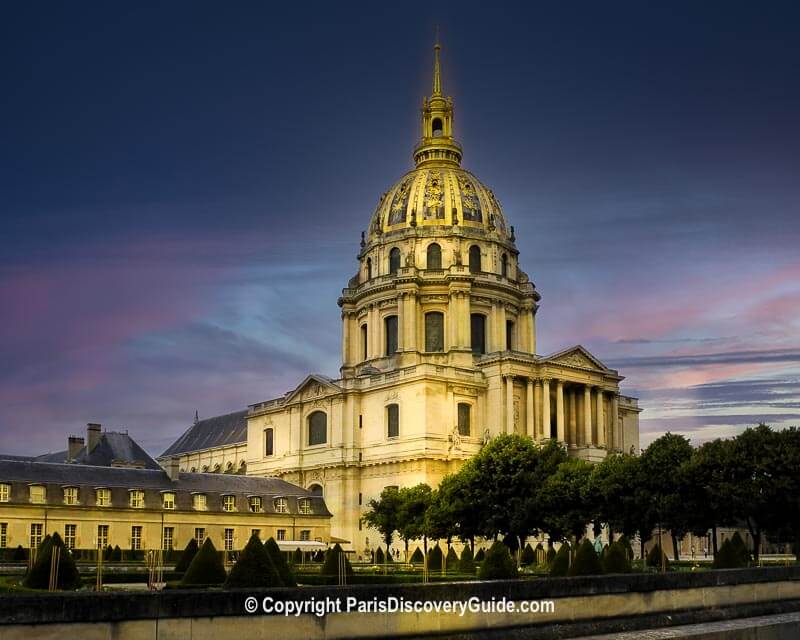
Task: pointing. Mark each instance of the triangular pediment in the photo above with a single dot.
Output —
(314, 386)
(576, 356)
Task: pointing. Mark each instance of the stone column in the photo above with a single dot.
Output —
(537, 409)
(546, 408)
(411, 317)
(501, 328)
(601, 427)
(587, 416)
(529, 410)
(372, 332)
(509, 404)
(560, 411)
(345, 338)
(401, 322)
(618, 444)
(572, 437)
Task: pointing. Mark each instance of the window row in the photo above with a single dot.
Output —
(433, 261)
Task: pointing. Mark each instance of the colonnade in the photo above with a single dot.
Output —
(576, 414)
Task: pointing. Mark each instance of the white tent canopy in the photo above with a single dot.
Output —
(303, 545)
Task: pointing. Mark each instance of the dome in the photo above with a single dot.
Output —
(444, 195)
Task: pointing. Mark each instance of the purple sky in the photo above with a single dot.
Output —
(183, 191)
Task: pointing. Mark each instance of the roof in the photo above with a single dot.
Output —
(218, 431)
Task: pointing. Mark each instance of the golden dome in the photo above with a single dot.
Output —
(443, 195)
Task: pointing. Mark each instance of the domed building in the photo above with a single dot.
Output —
(438, 355)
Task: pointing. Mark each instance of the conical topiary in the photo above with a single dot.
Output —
(39, 575)
(254, 568)
(656, 556)
(187, 556)
(480, 556)
(451, 563)
(550, 555)
(206, 567)
(279, 561)
(499, 565)
(528, 555)
(741, 548)
(116, 554)
(586, 562)
(561, 561)
(625, 542)
(379, 556)
(417, 557)
(331, 567)
(297, 557)
(466, 564)
(728, 557)
(20, 555)
(107, 553)
(435, 558)
(616, 559)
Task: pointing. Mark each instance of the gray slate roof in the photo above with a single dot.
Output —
(218, 431)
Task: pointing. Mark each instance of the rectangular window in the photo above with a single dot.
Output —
(509, 335)
(304, 505)
(364, 342)
(36, 534)
(38, 493)
(478, 333)
(281, 534)
(281, 505)
(136, 537)
(199, 501)
(255, 504)
(70, 534)
(269, 442)
(168, 500)
(464, 418)
(167, 538)
(103, 497)
(392, 421)
(255, 532)
(71, 495)
(305, 534)
(229, 503)
(360, 498)
(390, 326)
(3, 535)
(102, 536)
(434, 331)
(5, 492)
(136, 498)
(199, 535)
(228, 540)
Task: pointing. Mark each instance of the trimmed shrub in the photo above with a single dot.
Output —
(20, 554)
(39, 575)
(616, 559)
(550, 556)
(187, 556)
(254, 567)
(435, 558)
(452, 560)
(499, 565)
(741, 548)
(279, 561)
(560, 563)
(116, 554)
(297, 557)
(586, 562)
(528, 555)
(656, 556)
(417, 557)
(466, 564)
(206, 567)
(330, 569)
(728, 557)
(319, 556)
(379, 558)
(480, 556)
(623, 540)
(107, 553)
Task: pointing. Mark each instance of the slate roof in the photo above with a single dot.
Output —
(218, 431)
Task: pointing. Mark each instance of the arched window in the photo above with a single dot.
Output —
(392, 421)
(317, 428)
(474, 259)
(464, 418)
(269, 441)
(369, 268)
(364, 343)
(434, 260)
(394, 261)
(436, 127)
(509, 335)
(315, 489)
(504, 265)
(434, 331)
(390, 326)
(478, 333)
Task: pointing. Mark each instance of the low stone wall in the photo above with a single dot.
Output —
(578, 601)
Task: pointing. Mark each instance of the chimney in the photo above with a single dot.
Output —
(74, 445)
(92, 436)
(172, 468)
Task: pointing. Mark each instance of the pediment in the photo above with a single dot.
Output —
(313, 387)
(576, 357)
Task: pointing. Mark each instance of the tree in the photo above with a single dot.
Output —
(414, 503)
(254, 568)
(564, 501)
(383, 514)
(664, 461)
(206, 567)
(435, 559)
(586, 562)
(616, 558)
(187, 556)
(39, 575)
(466, 563)
(614, 490)
(559, 565)
(528, 555)
(336, 570)
(279, 562)
(498, 565)
(417, 557)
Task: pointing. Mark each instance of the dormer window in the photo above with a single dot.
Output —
(281, 505)
(168, 500)
(255, 504)
(38, 493)
(70, 495)
(304, 506)
(136, 498)
(103, 497)
(5, 492)
(229, 503)
(199, 501)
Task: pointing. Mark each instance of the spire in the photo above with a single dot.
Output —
(437, 73)
(196, 417)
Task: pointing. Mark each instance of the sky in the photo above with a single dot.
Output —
(184, 185)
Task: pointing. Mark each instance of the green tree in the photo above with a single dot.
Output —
(414, 504)
(254, 568)
(206, 567)
(187, 556)
(279, 562)
(559, 565)
(466, 564)
(39, 575)
(586, 562)
(335, 568)
(383, 514)
(564, 501)
(617, 559)
(498, 565)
